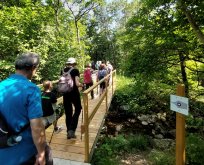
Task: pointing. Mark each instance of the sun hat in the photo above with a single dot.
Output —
(71, 60)
(88, 65)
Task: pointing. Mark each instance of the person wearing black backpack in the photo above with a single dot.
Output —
(72, 97)
(102, 72)
(20, 105)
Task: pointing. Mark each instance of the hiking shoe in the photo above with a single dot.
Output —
(58, 129)
(71, 134)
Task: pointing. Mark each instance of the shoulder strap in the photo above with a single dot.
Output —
(70, 70)
(22, 129)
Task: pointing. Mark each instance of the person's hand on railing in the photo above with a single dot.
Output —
(81, 87)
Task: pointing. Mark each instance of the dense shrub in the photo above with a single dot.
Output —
(138, 142)
(110, 148)
(142, 97)
(103, 155)
(195, 150)
(161, 158)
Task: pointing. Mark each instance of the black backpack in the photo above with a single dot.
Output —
(101, 74)
(7, 138)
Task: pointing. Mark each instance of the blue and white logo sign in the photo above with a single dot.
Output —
(179, 104)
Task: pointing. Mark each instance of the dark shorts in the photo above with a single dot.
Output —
(103, 85)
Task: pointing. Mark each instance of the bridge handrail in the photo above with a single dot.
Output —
(88, 117)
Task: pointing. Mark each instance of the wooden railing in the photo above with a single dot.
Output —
(88, 117)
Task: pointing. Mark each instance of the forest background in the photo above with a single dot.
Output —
(156, 43)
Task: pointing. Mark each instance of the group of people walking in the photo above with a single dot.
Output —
(22, 103)
(102, 70)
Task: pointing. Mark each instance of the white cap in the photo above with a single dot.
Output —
(71, 60)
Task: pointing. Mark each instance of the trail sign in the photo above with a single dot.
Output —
(179, 104)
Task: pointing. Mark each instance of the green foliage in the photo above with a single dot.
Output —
(123, 94)
(142, 96)
(29, 26)
(103, 156)
(158, 44)
(197, 106)
(103, 45)
(111, 147)
(195, 122)
(118, 144)
(162, 157)
(195, 150)
(6, 68)
(138, 142)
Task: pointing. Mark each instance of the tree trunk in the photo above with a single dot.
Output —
(56, 8)
(192, 22)
(77, 30)
(183, 73)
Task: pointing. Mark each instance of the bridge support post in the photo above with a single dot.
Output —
(112, 82)
(106, 81)
(86, 126)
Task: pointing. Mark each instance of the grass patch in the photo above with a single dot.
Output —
(110, 148)
(161, 157)
(195, 149)
(138, 142)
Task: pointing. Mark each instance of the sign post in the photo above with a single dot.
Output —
(182, 108)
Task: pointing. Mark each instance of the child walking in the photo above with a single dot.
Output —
(49, 101)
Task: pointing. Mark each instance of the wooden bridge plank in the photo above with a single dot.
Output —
(68, 156)
(66, 148)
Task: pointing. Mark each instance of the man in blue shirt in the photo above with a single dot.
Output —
(20, 104)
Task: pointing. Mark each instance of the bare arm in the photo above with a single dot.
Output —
(38, 134)
(78, 84)
(97, 77)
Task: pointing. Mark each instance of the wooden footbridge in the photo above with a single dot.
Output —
(89, 126)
